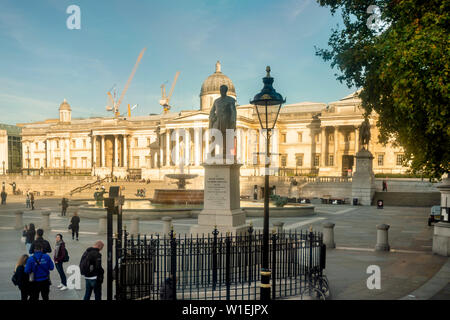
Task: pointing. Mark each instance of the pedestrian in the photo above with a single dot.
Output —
(3, 196)
(28, 202)
(64, 205)
(385, 185)
(75, 224)
(44, 244)
(167, 287)
(91, 269)
(32, 200)
(59, 258)
(22, 279)
(39, 265)
(14, 187)
(31, 233)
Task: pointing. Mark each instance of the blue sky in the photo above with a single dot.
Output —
(42, 62)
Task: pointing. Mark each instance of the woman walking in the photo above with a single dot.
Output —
(31, 233)
(75, 223)
(23, 279)
(60, 253)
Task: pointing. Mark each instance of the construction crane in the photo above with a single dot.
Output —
(112, 104)
(129, 110)
(164, 102)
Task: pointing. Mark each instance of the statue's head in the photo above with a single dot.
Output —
(223, 90)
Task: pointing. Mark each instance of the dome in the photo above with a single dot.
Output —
(212, 84)
(64, 106)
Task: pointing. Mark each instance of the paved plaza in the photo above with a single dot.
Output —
(409, 271)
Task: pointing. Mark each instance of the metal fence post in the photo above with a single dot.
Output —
(227, 264)
(274, 263)
(173, 263)
(214, 257)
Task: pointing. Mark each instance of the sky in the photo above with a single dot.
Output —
(42, 62)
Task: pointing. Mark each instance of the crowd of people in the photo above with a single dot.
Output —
(33, 269)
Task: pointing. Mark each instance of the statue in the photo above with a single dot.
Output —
(364, 133)
(223, 114)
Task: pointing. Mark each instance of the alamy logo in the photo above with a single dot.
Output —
(374, 20)
(74, 20)
(374, 281)
(74, 280)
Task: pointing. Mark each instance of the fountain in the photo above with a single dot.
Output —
(180, 195)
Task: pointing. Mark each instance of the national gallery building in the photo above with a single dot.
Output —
(312, 138)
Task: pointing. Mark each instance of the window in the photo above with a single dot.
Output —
(37, 146)
(36, 163)
(148, 142)
(283, 160)
(331, 137)
(74, 144)
(331, 160)
(148, 161)
(136, 162)
(299, 137)
(84, 144)
(84, 162)
(57, 144)
(380, 160)
(74, 162)
(136, 142)
(400, 158)
(316, 160)
(283, 138)
(347, 137)
(299, 160)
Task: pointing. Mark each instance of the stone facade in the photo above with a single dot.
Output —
(311, 138)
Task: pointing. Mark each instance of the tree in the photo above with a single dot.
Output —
(402, 66)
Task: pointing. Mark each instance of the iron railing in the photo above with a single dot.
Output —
(218, 267)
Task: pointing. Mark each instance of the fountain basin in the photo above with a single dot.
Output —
(178, 196)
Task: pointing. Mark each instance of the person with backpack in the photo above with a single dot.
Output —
(21, 278)
(61, 255)
(29, 236)
(39, 266)
(91, 269)
(75, 224)
(45, 245)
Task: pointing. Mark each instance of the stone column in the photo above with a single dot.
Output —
(125, 151)
(382, 238)
(102, 222)
(177, 159)
(161, 154)
(322, 148)
(45, 220)
(357, 140)
(94, 150)
(168, 147)
(336, 132)
(328, 235)
(187, 147)
(47, 153)
(279, 226)
(116, 151)
(198, 145)
(19, 220)
(134, 230)
(103, 151)
(167, 225)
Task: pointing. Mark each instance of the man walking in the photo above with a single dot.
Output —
(44, 244)
(64, 205)
(3, 196)
(40, 265)
(32, 201)
(91, 269)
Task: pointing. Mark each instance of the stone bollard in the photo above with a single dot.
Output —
(328, 235)
(134, 230)
(279, 226)
(45, 220)
(102, 224)
(19, 220)
(167, 225)
(382, 238)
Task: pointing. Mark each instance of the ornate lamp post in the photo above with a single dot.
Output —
(267, 104)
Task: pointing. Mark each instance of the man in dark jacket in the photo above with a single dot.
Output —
(64, 205)
(45, 245)
(91, 269)
(40, 264)
(3, 195)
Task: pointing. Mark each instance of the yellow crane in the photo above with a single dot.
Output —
(164, 102)
(114, 106)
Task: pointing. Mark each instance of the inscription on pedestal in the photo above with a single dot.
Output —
(216, 195)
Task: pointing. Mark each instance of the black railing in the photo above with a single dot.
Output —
(218, 267)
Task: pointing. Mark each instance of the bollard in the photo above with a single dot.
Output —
(328, 235)
(382, 238)
(19, 220)
(167, 224)
(102, 225)
(134, 230)
(279, 226)
(45, 220)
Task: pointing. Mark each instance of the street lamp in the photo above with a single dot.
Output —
(267, 104)
(4, 172)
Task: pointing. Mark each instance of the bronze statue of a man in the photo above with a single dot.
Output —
(364, 133)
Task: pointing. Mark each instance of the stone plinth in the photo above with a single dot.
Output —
(167, 225)
(382, 238)
(441, 239)
(221, 201)
(328, 235)
(363, 180)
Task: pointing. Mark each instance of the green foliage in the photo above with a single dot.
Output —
(278, 200)
(403, 73)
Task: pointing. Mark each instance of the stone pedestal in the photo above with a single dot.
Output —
(363, 180)
(167, 225)
(328, 235)
(382, 238)
(441, 239)
(134, 230)
(222, 206)
(19, 220)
